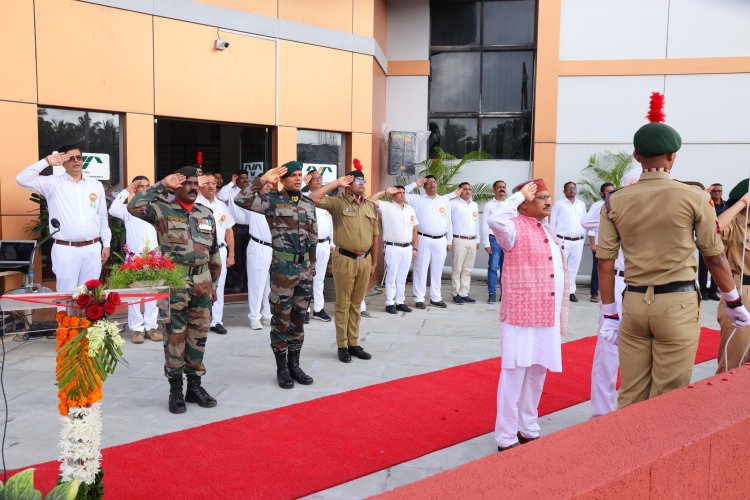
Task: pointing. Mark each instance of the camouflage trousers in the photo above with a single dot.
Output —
(291, 292)
(190, 316)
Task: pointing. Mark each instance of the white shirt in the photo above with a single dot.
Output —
(139, 234)
(227, 194)
(590, 222)
(398, 222)
(434, 214)
(258, 226)
(565, 219)
(325, 225)
(465, 217)
(488, 211)
(222, 216)
(81, 207)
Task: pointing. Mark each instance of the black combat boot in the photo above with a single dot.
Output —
(197, 394)
(295, 347)
(282, 370)
(176, 400)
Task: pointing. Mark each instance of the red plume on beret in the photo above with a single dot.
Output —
(656, 108)
(357, 164)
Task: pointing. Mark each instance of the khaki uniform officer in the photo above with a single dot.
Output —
(659, 222)
(355, 228)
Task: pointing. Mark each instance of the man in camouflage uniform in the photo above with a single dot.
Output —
(187, 232)
(294, 236)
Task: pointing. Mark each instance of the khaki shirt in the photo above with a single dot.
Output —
(733, 237)
(354, 225)
(659, 222)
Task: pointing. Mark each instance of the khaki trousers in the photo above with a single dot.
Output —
(464, 255)
(658, 340)
(351, 277)
(736, 350)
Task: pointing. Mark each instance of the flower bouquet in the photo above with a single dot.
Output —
(150, 268)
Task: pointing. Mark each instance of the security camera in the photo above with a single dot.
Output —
(221, 44)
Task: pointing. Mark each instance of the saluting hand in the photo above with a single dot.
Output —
(529, 190)
(131, 188)
(392, 190)
(345, 181)
(274, 175)
(420, 182)
(173, 181)
(203, 179)
(234, 179)
(57, 159)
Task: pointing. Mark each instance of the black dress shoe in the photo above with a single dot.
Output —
(403, 308)
(713, 296)
(219, 328)
(391, 309)
(439, 304)
(456, 300)
(492, 298)
(307, 318)
(503, 448)
(468, 299)
(704, 294)
(420, 305)
(344, 355)
(523, 439)
(359, 352)
(573, 297)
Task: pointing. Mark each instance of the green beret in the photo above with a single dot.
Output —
(189, 171)
(291, 167)
(357, 174)
(654, 139)
(739, 190)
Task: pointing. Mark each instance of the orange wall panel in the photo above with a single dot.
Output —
(380, 24)
(363, 17)
(544, 162)
(378, 118)
(315, 87)
(139, 147)
(361, 148)
(194, 80)
(285, 145)
(362, 93)
(408, 68)
(331, 14)
(261, 7)
(95, 57)
(19, 55)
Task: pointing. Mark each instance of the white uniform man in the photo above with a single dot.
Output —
(435, 239)
(400, 239)
(259, 256)
(79, 204)
(565, 221)
(140, 236)
(495, 253)
(323, 250)
(224, 239)
(465, 221)
(237, 274)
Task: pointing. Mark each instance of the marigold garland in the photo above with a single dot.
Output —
(68, 329)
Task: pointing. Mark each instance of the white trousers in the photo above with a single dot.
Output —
(573, 250)
(431, 254)
(397, 262)
(139, 322)
(605, 366)
(258, 280)
(464, 255)
(518, 395)
(217, 310)
(73, 266)
(323, 253)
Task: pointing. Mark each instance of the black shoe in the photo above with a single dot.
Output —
(282, 370)
(503, 448)
(420, 305)
(219, 328)
(359, 352)
(712, 295)
(307, 317)
(704, 294)
(197, 394)
(456, 300)
(391, 309)
(365, 314)
(492, 298)
(468, 299)
(295, 347)
(176, 399)
(321, 315)
(523, 439)
(344, 355)
(573, 297)
(403, 308)
(439, 303)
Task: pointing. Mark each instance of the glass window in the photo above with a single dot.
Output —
(322, 149)
(507, 138)
(507, 81)
(454, 23)
(509, 22)
(454, 84)
(457, 136)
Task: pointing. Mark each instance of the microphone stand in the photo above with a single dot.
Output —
(31, 286)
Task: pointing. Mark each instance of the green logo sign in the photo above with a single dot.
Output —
(88, 159)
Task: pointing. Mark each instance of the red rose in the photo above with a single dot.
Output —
(114, 298)
(109, 308)
(94, 312)
(83, 300)
(93, 284)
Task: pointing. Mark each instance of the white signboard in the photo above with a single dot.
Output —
(253, 169)
(328, 172)
(95, 166)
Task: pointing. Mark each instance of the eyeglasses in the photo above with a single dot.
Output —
(543, 197)
(75, 158)
(430, 183)
(571, 188)
(360, 181)
(718, 191)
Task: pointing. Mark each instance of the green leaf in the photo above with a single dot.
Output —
(64, 491)
(21, 487)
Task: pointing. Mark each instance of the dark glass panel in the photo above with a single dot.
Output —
(509, 22)
(507, 81)
(454, 83)
(457, 136)
(507, 138)
(454, 23)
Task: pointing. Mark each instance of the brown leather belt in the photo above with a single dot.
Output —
(77, 243)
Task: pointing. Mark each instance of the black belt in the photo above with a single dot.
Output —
(464, 237)
(241, 225)
(402, 245)
(570, 239)
(675, 286)
(619, 273)
(324, 240)
(259, 241)
(222, 246)
(196, 270)
(746, 280)
(431, 236)
(354, 255)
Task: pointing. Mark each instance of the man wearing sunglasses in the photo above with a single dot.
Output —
(565, 220)
(82, 244)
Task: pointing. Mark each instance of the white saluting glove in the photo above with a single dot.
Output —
(609, 322)
(735, 310)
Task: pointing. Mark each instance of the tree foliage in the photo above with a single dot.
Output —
(603, 167)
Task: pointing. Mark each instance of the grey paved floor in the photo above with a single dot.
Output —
(241, 375)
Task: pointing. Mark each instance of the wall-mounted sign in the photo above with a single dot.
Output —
(253, 169)
(95, 166)
(328, 172)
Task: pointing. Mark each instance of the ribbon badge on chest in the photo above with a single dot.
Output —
(204, 225)
(442, 211)
(92, 200)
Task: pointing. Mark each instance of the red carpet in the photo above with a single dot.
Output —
(307, 447)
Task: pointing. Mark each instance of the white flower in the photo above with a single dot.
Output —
(80, 440)
(100, 330)
(80, 290)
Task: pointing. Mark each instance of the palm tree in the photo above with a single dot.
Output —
(603, 167)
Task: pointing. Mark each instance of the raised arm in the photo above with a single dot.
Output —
(255, 198)
(41, 184)
(119, 207)
(501, 223)
(319, 193)
(141, 205)
(388, 191)
(730, 213)
(590, 221)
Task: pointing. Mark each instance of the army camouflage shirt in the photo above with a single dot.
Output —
(189, 239)
(293, 226)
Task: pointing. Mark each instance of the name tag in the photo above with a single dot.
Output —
(204, 225)
(174, 218)
(350, 211)
(283, 205)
